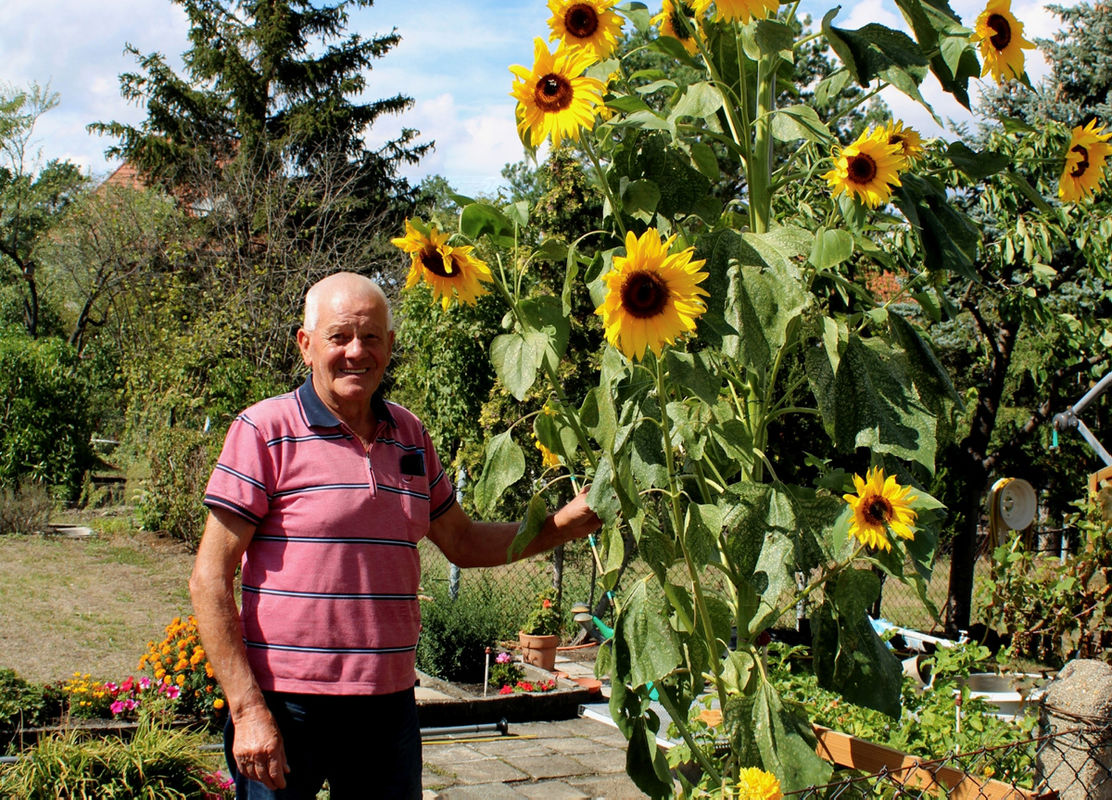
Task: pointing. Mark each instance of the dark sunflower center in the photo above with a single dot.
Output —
(434, 262)
(681, 12)
(1083, 165)
(581, 21)
(1001, 31)
(553, 93)
(644, 294)
(878, 511)
(896, 139)
(861, 168)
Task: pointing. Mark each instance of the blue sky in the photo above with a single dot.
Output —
(453, 60)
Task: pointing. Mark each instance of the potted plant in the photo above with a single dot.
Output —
(541, 633)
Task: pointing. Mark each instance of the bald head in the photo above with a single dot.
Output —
(337, 286)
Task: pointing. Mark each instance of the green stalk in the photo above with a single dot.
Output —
(604, 185)
(760, 164)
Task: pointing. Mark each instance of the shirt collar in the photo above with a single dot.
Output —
(318, 414)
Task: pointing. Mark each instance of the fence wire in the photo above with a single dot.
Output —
(1072, 760)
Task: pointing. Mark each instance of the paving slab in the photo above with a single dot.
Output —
(552, 765)
(550, 790)
(481, 791)
(490, 770)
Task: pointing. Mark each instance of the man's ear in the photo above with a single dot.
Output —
(303, 345)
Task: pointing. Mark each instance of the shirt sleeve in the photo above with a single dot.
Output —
(441, 492)
(243, 480)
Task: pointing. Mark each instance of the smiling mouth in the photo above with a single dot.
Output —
(354, 371)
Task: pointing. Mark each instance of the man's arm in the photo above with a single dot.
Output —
(467, 543)
(258, 749)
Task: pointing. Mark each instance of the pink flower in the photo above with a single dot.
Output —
(144, 683)
(131, 704)
(507, 689)
(117, 707)
(503, 658)
(111, 688)
(171, 691)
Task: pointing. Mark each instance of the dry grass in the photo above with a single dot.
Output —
(88, 605)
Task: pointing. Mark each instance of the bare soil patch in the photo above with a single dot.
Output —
(88, 605)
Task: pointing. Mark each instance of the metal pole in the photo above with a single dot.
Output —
(453, 570)
(502, 726)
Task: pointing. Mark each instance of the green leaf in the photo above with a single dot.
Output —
(517, 357)
(518, 213)
(477, 219)
(849, 656)
(832, 247)
(628, 104)
(764, 306)
(545, 314)
(643, 626)
(702, 155)
(773, 37)
(875, 51)
(929, 374)
(599, 417)
(976, 165)
(640, 199)
(876, 406)
(700, 100)
(949, 239)
(535, 515)
(786, 742)
(691, 371)
(556, 436)
(799, 122)
(504, 466)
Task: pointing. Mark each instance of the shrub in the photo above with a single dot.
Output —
(23, 705)
(44, 410)
(454, 638)
(545, 618)
(181, 461)
(25, 509)
(156, 762)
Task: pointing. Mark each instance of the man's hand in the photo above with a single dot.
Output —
(258, 750)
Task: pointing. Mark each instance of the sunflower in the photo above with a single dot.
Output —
(868, 168)
(1001, 40)
(651, 296)
(555, 97)
(1085, 159)
(745, 10)
(590, 24)
(880, 505)
(446, 269)
(756, 784)
(676, 20)
(909, 140)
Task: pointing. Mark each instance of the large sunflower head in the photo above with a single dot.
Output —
(1085, 162)
(1000, 36)
(590, 24)
(449, 271)
(652, 296)
(868, 168)
(880, 505)
(909, 140)
(677, 19)
(754, 783)
(554, 97)
(745, 10)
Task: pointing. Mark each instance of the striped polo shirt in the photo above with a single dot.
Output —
(330, 576)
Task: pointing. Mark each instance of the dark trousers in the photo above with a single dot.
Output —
(364, 746)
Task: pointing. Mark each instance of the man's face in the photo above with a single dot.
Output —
(348, 351)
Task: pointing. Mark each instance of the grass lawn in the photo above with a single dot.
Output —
(88, 605)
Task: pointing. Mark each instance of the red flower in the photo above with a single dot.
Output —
(525, 686)
(547, 603)
(507, 689)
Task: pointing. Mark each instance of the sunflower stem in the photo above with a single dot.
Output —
(604, 185)
(759, 171)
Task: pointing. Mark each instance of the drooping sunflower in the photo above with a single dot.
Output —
(448, 270)
(1084, 169)
(1000, 37)
(909, 140)
(756, 784)
(676, 20)
(880, 505)
(591, 24)
(652, 296)
(555, 97)
(745, 10)
(868, 168)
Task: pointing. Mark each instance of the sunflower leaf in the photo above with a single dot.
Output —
(504, 466)
(786, 742)
(516, 358)
(799, 122)
(643, 626)
(535, 514)
(701, 100)
(477, 219)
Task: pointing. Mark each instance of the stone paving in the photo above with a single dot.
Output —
(574, 759)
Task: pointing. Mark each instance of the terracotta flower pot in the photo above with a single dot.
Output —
(540, 651)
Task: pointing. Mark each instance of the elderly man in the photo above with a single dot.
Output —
(323, 494)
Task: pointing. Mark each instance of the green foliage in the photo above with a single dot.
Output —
(181, 461)
(1055, 609)
(25, 508)
(455, 635)
(23, 705)
(158, 761)
(45, 424)
(504, 671)
(545, 618)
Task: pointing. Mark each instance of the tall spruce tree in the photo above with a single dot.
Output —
(268, 88)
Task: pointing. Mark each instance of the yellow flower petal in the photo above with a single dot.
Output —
(881, 504)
